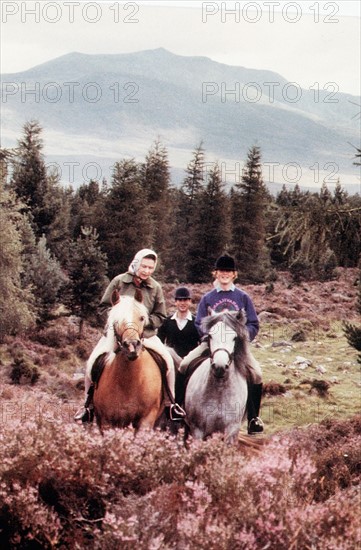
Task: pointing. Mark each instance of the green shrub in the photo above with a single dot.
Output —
(23, 371)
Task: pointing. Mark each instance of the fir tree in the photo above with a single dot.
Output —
(16, 302)
(45, 277)
(126, 225)
(249, 207)
(87, 207)
(155, 180)
(39, 191)
(87, 269)
(211, 232)
(187, 212)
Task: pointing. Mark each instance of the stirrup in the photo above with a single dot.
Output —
(255, 426)
(176, 412)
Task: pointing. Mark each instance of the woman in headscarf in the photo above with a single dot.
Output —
(138, 276)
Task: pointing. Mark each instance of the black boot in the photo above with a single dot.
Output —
(86, 413)
(180, 387)
(255, 424)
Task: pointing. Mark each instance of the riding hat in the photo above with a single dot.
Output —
(225, 263)
(182, 293)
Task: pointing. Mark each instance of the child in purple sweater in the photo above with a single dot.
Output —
(225, 296)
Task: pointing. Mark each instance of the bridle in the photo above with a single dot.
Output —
(230, 355)
(119, 338)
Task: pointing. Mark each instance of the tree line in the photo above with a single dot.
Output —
(61, 245)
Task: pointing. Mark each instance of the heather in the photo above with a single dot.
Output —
(66, 487)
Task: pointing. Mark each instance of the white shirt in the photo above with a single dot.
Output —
(182, 322)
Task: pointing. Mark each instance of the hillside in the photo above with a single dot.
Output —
(64, 486)
(100, 108)
(314, 309)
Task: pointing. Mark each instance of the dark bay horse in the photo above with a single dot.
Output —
(216, 395)
(129, 391)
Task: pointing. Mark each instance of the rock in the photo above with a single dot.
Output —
(301, 360)
(281, 343)
(321, 369)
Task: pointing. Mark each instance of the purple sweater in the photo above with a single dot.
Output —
(233, 300)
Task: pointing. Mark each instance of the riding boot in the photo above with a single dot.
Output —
(86, 413)
(175, 411)
(180, 387)
(255, 424)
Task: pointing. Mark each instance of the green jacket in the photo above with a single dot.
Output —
(153, 298)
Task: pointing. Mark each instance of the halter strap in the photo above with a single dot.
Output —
(119, 338)
(230, 355)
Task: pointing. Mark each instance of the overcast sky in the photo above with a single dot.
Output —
(305, 42)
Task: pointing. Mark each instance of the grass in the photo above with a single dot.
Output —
(301, 404)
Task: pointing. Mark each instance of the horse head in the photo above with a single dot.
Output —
(222, 338)
(128, 317)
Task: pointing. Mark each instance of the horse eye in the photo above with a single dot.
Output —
(142, 318)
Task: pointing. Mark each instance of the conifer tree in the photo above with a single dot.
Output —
(249, 207)
(87, 272)
(87, 207)
(39, 191)
(187, 212)
(45, 277)
(155, 180)
(352, 331)
(126, 226)
(211, 231)
(16, 302)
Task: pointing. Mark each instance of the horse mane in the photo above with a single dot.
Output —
(121, 308)
(236, 320)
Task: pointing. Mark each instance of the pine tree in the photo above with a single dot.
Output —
(187, 212)
(16, 302)
(87, 207)
(155, 180)
(211, 234)
(353, 332)
(126, 226)
(39, 191)
(249, 207)
(87, 269)
(318, 233)
(46, 279)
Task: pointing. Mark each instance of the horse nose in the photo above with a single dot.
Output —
(133, 348)
(219, 371)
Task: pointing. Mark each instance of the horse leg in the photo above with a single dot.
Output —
(148, 421)
(99, 423)
(197, 433)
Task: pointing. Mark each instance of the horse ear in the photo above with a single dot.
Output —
(241, 315)
(138, 296)
(211, 311)
(115, 298)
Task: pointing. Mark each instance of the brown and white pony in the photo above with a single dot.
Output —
(129, 391)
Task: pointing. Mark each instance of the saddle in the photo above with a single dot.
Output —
(97, 368)
(163, 371)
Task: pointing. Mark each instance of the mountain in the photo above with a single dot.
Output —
(97, 109)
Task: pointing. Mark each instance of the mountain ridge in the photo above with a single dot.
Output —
(129, 99)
